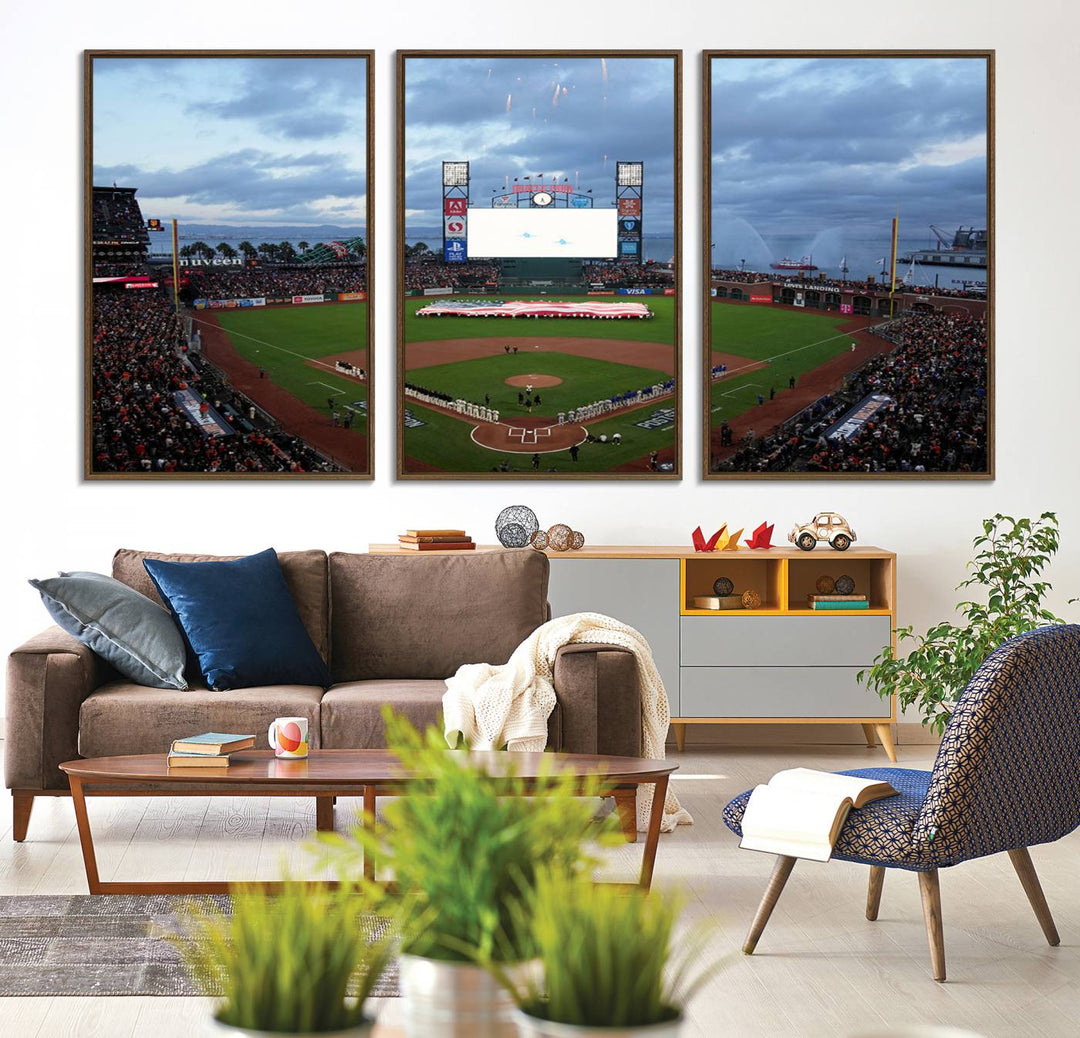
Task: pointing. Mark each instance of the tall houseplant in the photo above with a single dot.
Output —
(465, 848)
(1007, 598)
(296, 962)
(608, 965)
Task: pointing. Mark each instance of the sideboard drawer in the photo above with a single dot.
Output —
(783, 641)
(778, 692)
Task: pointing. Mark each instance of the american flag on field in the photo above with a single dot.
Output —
(533, 308)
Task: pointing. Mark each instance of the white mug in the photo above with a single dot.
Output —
(288, 737)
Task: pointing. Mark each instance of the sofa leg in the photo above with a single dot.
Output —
(935, 935)
(781, 871)
(626, 806)
(873, 892)
(324, 814)
(22, 804)
(1025, 869)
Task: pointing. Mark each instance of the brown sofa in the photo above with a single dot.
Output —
(390, 628)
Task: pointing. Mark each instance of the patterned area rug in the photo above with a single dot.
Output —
(106, 945)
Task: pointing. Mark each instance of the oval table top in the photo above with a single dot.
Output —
(374, 767)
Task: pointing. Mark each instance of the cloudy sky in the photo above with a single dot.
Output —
(805, 145)
(512, 117)
(245, 141)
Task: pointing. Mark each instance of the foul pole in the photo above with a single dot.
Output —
(175, 269)
(892, 263)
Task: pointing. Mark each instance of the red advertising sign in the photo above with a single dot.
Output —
(454, 206)
(629, 206)
(760, 299)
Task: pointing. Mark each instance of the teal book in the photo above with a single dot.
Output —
(840, 605)
(211, 744)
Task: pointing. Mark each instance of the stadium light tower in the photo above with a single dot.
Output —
(629, 195)
(455, 191)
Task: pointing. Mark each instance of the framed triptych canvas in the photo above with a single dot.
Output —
(848, 269)
(538, 264)
(228, 236)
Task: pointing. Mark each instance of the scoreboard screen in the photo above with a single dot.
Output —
(154, 225)
(548, 233)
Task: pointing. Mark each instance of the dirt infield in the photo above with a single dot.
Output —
(528, 436)
(656, 355)
(736, 365)
(765, 418)
(348, 448)
(535, 381)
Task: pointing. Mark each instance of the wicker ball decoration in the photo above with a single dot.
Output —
(723, 586)
(825, 584)
(560, 537)
(515, 526)
(751, 599)
(845, 585)
(577, 542)
(539, 540)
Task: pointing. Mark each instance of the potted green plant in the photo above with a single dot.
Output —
(1010, 557)
(465, 848)
(607, 966)
(298, 962)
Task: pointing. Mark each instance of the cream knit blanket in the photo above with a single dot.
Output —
(510, 705)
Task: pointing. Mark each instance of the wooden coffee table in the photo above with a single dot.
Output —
(327, 774)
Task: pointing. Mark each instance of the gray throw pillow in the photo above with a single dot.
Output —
(136, 635)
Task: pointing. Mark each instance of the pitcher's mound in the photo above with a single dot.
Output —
(536, 381)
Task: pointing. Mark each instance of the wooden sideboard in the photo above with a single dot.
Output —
(781, 663)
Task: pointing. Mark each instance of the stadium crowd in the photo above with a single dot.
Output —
(139, 359)
(820, 284)
(279, 280)
(115, 213)
(936, 380)
(628, 275)
(433, 273)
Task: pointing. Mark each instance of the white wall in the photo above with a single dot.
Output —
(56, 521)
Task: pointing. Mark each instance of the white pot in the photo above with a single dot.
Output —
(361, 1030)
(534, 1027)
(452, 1000)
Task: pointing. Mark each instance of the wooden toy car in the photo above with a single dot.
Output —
(825, 526)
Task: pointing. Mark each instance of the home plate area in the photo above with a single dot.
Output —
(529, 435)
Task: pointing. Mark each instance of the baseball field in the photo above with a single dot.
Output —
(283, 358)
(560, 365)
(765, 347)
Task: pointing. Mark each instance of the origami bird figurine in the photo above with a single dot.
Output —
(733, 541)
(700, 544)
(761, 537)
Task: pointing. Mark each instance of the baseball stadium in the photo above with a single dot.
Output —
(539, 340)
(224, 360)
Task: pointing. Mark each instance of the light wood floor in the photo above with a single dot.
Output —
(820, 969)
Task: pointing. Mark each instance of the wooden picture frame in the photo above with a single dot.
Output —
(812, 438)
(262, 145)
(630, 453)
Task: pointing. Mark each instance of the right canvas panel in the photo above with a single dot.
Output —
(848, 265)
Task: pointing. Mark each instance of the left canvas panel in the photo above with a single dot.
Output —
(228, 232)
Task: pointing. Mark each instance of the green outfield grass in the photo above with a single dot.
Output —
(793, 342)
(584, 380)
(445, 442)
(283, 339)
(660, 328)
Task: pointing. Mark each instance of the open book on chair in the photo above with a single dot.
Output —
(801, 811)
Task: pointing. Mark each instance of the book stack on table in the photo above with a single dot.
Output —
(435, 540)
(209, 750)
(838, 601)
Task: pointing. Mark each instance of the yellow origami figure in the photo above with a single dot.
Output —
(733, 540)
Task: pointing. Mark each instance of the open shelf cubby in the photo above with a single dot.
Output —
(873, 577)
(745, 570)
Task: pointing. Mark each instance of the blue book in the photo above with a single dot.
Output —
(212, 744)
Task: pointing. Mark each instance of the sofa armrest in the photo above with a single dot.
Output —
(47, 680)
(599, 699)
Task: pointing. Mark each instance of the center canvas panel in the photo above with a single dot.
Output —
(538, 321)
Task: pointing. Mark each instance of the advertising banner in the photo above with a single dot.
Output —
(852, 423)
(454, 251)
(454, 226)
(352, 297)
(140, 284)
(635, 291)
(760, 299)
(629, 226)
(201, 414)
(846, 308)
(308, 299)
(628, 248)
(504, 202)
(441, 291)
(629, 206)
(800, 299)
(455, 206)
(669, 291)
(595, 292)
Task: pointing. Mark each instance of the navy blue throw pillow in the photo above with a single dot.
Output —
(240, 621)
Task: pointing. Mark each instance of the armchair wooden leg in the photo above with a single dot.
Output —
(1021, 860)
(626, 806)
(781, 871)
(884, 732)
(873, 892)
(680, 736)
(871, 739)
(21, 806)
(931, 906)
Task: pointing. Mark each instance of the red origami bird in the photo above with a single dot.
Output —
(762, 537)
(700, 544)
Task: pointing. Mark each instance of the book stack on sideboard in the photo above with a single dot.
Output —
(435, 540)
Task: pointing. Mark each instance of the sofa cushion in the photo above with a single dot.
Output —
(352, 712)
(122, 718)
(397, 616)
(304, 571)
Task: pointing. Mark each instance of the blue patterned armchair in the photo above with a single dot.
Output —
(1006, 777)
